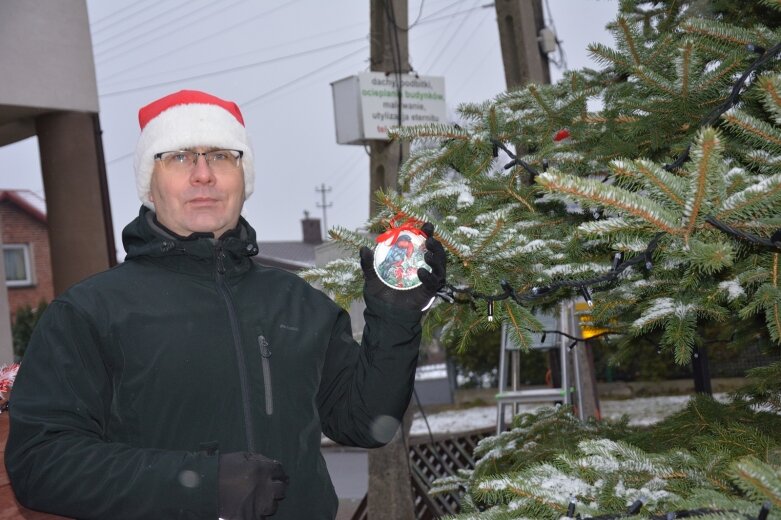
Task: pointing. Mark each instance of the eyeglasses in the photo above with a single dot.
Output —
(185, 160)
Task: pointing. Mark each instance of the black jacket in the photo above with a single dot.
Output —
(136, 376)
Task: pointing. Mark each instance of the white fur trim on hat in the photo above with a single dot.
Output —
(188, 126)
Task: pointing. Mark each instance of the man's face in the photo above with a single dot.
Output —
(200, 200)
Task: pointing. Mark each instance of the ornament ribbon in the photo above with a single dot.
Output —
(411, 224)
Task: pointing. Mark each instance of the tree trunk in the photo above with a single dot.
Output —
(701, 371)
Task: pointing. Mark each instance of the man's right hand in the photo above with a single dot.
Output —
(419, 298)
(249, 486)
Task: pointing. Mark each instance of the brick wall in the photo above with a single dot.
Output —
(19, 227)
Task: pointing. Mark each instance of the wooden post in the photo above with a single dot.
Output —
(701, 371)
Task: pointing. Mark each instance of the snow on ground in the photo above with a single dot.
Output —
(641, 411)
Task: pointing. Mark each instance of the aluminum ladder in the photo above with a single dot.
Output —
(511, 393)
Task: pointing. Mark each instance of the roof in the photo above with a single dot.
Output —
(288, 255)
(28, 201)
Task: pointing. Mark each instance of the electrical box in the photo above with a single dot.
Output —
(547, 39)
(366, 105)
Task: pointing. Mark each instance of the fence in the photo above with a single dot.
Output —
(431, 459)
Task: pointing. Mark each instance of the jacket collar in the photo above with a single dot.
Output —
(146, 237)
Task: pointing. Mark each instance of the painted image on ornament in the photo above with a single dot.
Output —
(397, 260)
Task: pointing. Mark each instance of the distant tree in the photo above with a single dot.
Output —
(23, 325)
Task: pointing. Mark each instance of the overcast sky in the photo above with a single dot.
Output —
(277, 59)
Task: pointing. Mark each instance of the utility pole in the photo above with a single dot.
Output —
(389, 54)
(520, 22)
(390, 486)
(323, 190)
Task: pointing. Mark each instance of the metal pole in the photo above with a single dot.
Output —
(574, 330)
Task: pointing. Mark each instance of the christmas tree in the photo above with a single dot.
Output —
(651, 187)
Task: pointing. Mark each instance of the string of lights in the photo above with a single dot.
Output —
(711, 118)
(455, 294)
(637, 505)
(732, 99)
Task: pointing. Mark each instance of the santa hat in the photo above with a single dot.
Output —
(189, 119)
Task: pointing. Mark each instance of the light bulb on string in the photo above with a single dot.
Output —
(618, 258)
(764, 511)
(586, 295)
(636, 506)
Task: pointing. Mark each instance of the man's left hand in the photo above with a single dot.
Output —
(419, 298)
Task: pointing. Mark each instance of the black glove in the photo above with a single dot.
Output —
(419, 298)
(249, 486)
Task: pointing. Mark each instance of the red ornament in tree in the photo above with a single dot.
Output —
(561, 135)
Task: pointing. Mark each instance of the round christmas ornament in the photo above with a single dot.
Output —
(399, 254)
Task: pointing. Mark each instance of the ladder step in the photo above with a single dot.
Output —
(532, 395)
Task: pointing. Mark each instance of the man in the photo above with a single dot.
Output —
(190, 383)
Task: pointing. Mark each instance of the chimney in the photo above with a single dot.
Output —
(311, 229)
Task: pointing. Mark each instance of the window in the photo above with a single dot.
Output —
(17, 265)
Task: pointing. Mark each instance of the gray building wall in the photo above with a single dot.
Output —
(46, 63)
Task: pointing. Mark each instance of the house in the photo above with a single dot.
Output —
(26, 253)
(293, 255)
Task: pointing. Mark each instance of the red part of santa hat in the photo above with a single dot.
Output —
(189, 119)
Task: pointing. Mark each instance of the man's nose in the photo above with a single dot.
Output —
(202, 173)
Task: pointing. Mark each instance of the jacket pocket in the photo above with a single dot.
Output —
(265, 361)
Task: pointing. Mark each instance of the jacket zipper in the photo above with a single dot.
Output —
(222, 288)
(265, 360)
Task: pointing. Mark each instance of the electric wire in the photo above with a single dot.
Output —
(348, 67)
(304, 76)
(120, 158)
(453, 15)
(457, 54)
(204, 38)
(445, 466)
(343, 172)
(146, 63)
(200, 64)
(456, 32)
(353, 173)
(94, 30)
(150, 27)
(475, 73)
(422, 20)
(562, 61)
(413, 24)
(234, 69)
(193, 15)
